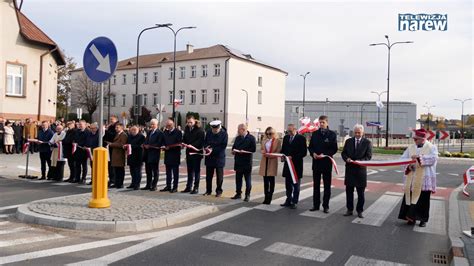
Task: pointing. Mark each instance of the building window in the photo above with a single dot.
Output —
(203, 96)
(124, 79)
(204, 121)
(215, 118)
(260, 81)
(204, 70)
(171, 73)
(15, 80)
(193, 71)
(124, 99)
(155, 77)
(259, 118)
(217, 70)
(145, 77)
(193, 97)
(259, 97)
(155, 98)
(105, 100)
(171, 97)
(114, 80)
(113, 100)
(134, 78)
(216, 95)
(181, 96)
(182, 72)
(145, 99)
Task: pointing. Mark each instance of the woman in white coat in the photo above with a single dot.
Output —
(8, 139)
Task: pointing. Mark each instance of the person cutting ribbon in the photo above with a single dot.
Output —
(215, 143)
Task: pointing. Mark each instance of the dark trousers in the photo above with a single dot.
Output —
(152, 174)
(350, 198)
(292, 190)
(172, 174)
(80, 168)
(72, 169)
(419, 211)
(193, 163)
(136, 173)
(18, 146)
(111, 169)
(119, 173)
(45, 158)
(317, 191)
(239, 174)
(57, 172)
(268, 187)
(219, 179)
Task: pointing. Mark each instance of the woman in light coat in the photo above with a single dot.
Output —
(8, 139)
(269, 164)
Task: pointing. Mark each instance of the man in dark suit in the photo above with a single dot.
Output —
(109, 137)
(323, 142)
(360, 149)
(80, 155)
(172, 136)
(151, 156)
(44, 136)
(294, 146)
(193, 135)
(215, 141)
(135, 160)
(243, 149)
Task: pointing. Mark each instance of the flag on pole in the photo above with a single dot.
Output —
(379, 104)
(177, 102)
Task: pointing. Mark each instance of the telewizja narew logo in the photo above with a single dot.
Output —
(426, 22)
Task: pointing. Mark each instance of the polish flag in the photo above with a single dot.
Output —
(177, 102)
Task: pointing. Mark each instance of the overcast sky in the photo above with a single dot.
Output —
(328, 39)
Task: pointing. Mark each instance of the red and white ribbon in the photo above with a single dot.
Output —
(89, 154)
(25, 147)
(333, 162)
(468, 178)
(128, 149)
(74, 148)
(189, 146)
(398, 162)
(241, 151)
(291, 166)
(171, 146)
(60, 150)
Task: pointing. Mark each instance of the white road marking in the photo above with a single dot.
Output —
(10, 207)
(4, 223)
(399, 171)
(15, 230)
(451, 174)
(275, 206)
(231, 238)
(4, 215)
(376, 214)
(356, 260)
(441, 188)
(373, 181)
(400, 184)
(61, 183)
(400, 194)
(372, 171)
(437, 223)
(29, 240)
(158, 238)
(437, 198)
(308, 253)
(382, 170)
(335, 204)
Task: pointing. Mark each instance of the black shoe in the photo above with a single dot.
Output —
(195, 191)
(136, 188)
(68, 180)
(422, 224)
(174, 190)
(247, 198)
(165, 189)
(118, 187)
(49, 178)
(218, 195)
(237, 196)
(348, 213)
(187, 190)
(153, 189)
(359, 214)
(131, 186)
(293, 206)
(314, 209)
(207, 194)
(326, 210)
(42, 178)
(146, 188)
(285, 204)
(90, 183)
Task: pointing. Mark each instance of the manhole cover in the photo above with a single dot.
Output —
(440, 258)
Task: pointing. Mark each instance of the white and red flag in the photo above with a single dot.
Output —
(26, 147)
(177, 102)
(128, 149)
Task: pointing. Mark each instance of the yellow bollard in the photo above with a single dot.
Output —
(99, 179)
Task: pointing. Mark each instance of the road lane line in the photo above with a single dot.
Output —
(29, 240)
(451, 174)
(308, 253)
(437, 222)
(376, 214)
(335, 204)
(231, 238)
(4, 215)
(356, 260)
(15, 230)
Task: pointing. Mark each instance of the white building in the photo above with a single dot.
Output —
(209, 81)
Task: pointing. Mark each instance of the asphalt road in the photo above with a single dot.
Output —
(247, 233)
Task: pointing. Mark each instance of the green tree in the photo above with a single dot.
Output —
(145, 116)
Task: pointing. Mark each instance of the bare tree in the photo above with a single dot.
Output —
(86, 93)
(64, 87)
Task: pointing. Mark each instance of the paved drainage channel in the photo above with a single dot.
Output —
(440, 258)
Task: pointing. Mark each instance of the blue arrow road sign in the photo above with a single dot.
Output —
(100, 59)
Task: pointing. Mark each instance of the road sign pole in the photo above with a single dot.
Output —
(101, 114)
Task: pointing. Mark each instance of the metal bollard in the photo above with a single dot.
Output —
(99, 179)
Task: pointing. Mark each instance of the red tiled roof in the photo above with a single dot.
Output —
(31, 32)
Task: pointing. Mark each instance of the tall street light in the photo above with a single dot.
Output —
(379, 94)
(389, 47)
(136, 69)
(175, 33)
(462, 118)
(429, 113)
(362, 112)
(246, 107)
(304, 88)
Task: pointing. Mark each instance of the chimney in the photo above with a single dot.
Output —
(189, 48)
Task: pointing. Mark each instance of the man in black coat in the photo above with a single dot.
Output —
(193, 135)
(215, 141)
(134, 160)
(80, 155)
(172, 136)
(92, 142)
(294, 146)
(109, 137)
(243, 149)
(360, 149)
(151, 155)
(323, 142)
(44, 136)
(67, 148)
(18, 136)
(2, 132)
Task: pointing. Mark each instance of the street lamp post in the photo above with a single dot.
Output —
(362, 112)
(462, 118)
(378, 115)
(175, 33)
(304, 88)
(429, 113)
(389, 47)
(246, 107)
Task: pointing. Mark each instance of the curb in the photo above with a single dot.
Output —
(25, 215)
(454, 230)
